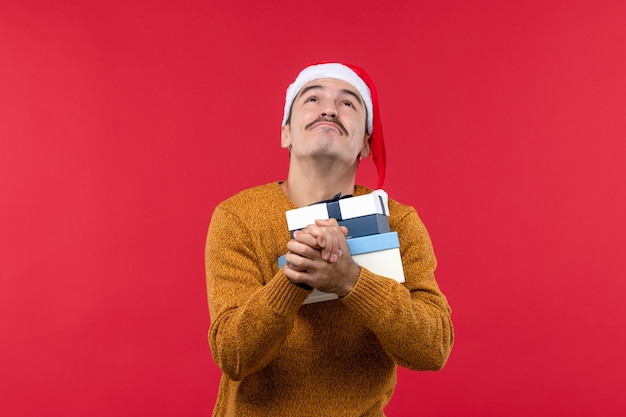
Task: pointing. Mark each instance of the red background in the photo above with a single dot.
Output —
(124, 123)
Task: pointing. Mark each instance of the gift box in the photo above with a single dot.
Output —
(342, 209)
(378, 253)
(366, 225)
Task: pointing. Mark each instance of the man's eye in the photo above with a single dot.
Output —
(348, 104)
(311, 99)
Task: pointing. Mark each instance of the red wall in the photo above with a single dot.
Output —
(123, 124)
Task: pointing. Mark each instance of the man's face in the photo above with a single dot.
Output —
(328, 119)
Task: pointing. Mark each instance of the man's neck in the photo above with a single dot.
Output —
(304, 189)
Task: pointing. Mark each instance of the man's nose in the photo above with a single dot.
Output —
(329, 110)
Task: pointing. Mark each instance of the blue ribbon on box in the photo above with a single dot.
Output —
(332, 205)
(337, 197)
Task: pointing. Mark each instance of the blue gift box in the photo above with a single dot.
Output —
(366, 225)
(373, 243)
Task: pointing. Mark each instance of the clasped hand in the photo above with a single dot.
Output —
(318, 256)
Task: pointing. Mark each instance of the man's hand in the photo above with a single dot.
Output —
(319, 257)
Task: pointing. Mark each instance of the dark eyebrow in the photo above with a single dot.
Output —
(316, 86)
(307, 89)
(353, 94)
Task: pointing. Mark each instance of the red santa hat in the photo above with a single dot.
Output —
(361, 81)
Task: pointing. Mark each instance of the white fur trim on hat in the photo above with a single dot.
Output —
(335, 71)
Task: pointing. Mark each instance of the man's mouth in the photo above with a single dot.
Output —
(330, 123)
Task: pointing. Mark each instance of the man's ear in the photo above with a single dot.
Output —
(366, 149)
(285, 137)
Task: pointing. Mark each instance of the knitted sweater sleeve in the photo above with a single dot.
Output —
(251, 315)
(411, 320)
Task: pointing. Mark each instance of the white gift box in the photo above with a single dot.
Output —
(346, 208)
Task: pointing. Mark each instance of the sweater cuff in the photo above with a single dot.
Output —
(369, 293)
(283, 296)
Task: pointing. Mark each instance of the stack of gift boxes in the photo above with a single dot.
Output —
(372, 244)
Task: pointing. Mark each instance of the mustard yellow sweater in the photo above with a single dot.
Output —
(335, 358)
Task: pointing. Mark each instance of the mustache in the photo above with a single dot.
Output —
(327, 120)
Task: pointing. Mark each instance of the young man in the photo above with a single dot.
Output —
(332, 358)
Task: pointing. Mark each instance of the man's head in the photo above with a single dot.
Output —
(359, 84)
